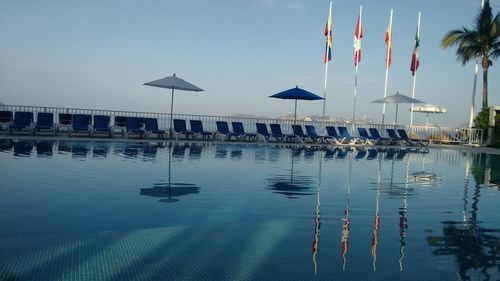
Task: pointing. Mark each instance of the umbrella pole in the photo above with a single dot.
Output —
(295, 114)
(171, 113)
(396, 118)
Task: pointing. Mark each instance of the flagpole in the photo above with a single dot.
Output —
(326, 65)
(387, 65)
(471, 114)
(356, 59)
(414, 75)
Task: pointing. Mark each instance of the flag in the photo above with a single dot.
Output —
(415, 58)
(328, 34)
(358, 34)
(388, 42)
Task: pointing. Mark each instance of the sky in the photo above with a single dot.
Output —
(97, 54)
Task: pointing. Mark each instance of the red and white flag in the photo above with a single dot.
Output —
(415, 58)
(388, 42)
(358, 34)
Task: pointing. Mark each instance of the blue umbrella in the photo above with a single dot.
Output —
(296, 94)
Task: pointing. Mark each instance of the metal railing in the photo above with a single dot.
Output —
(434, 134)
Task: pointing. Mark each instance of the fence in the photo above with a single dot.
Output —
(435, 134)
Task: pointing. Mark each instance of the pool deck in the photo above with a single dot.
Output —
(465, 148)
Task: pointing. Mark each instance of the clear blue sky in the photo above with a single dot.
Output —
(97, 54)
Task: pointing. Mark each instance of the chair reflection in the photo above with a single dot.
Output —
(44, 148)
(80, 150)
(23, 148)
(6, 145)
(100, 150)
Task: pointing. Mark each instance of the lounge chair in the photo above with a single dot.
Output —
(180, 128)
(22, 121)
(197, 128)
(120, 124)
(134, 126)
(299, 133)
(101, 125)
(404, 136)
(332, 132)
(45, 122)
(79, 123)
(347, 137)
(223, 129)
(277, 133)
(395, 138)
(151, 127)
(363, 133)
(262, 130)
(240, 130)
(5, 118)
(376, 135)
(313, 135)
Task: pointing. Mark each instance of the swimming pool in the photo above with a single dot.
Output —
(83, 210)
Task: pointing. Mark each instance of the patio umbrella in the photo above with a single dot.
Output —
(296, 94)
(174, 83)
(428, 108)
(397, 99)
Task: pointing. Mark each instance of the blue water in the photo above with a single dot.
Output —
(80, 210)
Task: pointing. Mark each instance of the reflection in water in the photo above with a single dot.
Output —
(6, 145)
(168, 190)
(79, 149)
(23, 148)
(291, 185)
(100, 150)
(317, 221)
(44, 148)
(376, 226)
(346, 225)
(403, 221)
(476, 248)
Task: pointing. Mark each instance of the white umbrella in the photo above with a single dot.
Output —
(428, 108)
(174, 83)
(397, 99)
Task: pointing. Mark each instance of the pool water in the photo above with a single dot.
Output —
(83, 210)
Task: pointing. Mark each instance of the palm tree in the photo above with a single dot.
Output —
(481, 43)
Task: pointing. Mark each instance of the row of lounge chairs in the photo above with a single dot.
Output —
(145, 127)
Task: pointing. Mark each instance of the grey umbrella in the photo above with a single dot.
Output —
(397, 99)
(428, 108)
(174, 83)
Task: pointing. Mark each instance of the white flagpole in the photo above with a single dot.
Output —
(387, 67)
(471, 114)
(415, 75)
(326, 63)
(356, 75)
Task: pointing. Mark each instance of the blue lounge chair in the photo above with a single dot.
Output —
(332, 132)
(223, 129)
(101, 125)
(313, 135)
(120, 124)
(134, 126)
(180, 128)
(299, 133)
(394, 137)
(376, 135)
(151, 127)
(22, 121)
(277, 133)
(262, 130)
(404, 136)
(240, 130)
(79, 123)
(363, 133)
(347, 137)
(5, 118)
(197, 128)
(44, 121)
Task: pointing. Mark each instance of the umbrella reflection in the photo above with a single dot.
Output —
(291, 185)
(168, 190)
